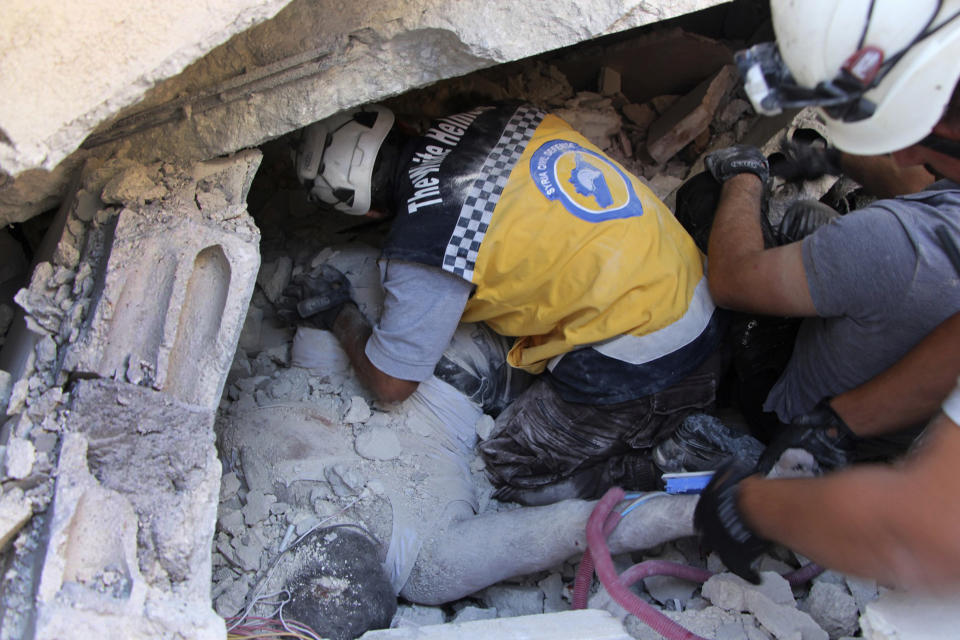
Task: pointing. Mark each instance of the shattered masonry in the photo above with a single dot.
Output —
(133, 322)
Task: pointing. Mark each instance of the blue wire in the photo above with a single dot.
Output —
(643, 497)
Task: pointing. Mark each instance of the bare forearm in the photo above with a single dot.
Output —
(898, 524)
(353, 331)
(908, 393)
(736, 232)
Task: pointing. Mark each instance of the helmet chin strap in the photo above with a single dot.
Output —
(942, 145)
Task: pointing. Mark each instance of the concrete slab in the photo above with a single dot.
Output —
(128, 553)
(586, 624)
(169, 302)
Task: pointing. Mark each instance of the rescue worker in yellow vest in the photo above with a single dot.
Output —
(505, 215)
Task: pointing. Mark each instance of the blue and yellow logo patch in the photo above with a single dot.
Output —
(587, 183)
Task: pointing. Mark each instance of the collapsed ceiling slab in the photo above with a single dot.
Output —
(310, 60)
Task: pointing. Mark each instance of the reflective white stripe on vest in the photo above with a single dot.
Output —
(663, 342)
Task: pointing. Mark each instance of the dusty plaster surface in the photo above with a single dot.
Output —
(311, 60)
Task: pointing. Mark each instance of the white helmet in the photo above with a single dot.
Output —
(882, 70)
(336, 157)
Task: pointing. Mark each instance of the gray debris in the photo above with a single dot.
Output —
(833, 608)
(513, 600)
(552, 587)
(358, 411)
(19, 458)
(471, 613)
(415, 615)
(379, 443)
(258, 507)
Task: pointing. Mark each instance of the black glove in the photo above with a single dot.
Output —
(720, 524)
(802, 218)
(726, 163)
(318, 296)
(806, 162)
(821, 432)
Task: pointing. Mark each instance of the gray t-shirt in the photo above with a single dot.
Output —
(421, 309)
(880, 282)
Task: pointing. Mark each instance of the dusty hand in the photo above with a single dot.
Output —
(806, 162)
(318, 296)
(821, 432)
(727, 163)
(722, 527)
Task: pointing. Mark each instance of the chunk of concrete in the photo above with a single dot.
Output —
(172, 296)
(416, 616)
(586, 624)
(94, 582)
(18, 458)
(690, 115)
(513, 600)
(902, 615)
(378, 443)
(833, 608)
(15, 511)
(768, 602)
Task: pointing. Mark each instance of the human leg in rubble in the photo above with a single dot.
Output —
(408, 496)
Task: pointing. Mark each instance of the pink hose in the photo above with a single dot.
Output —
(597, 543)
(597, 556)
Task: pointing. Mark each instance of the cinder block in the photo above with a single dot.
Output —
(133, 515)
(170, 301)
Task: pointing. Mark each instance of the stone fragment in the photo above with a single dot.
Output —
(15, 511)
(471, 613)
(689, 116)
(132, 186)
(609, 81)
(864, 591)
(593, 116)
(729, 591)
(229, 485)
(232, 522)
(6, 386)
(641, 115)
(666, 589)
(663, 185)
(258, 507)
(274, 276)
(513, 600)
(248, 555)
(19, 458)
(358, 411)
(902, 615)
(415, 615)
(662, 103)
(552, 587)
(172, 294)
(379, 443)
(833, 608)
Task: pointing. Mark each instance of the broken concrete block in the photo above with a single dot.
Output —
(663, 103)
(593, 116)
(689, 116)
(729, 590)
(157, 455)
(833, 608)
(18, 458)
(666, 589)
(274, 277)
(585, 624)
(641, 115)
(609, 81)
(416, 616)
(173, 295)
(379, 443)
(711, 622)
(358, 411)
(258, 507)
(864, 591)
(470, 614)
(15, 511)
(94, 583)
(6, 386)
(232, 522)
(132, 186)
(552, 587)
(513, 600)
(902, 615)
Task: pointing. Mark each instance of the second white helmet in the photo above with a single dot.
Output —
(336, 157)
(882, 71)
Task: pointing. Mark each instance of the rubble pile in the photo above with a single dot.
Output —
(663, 139)
(119, 370)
